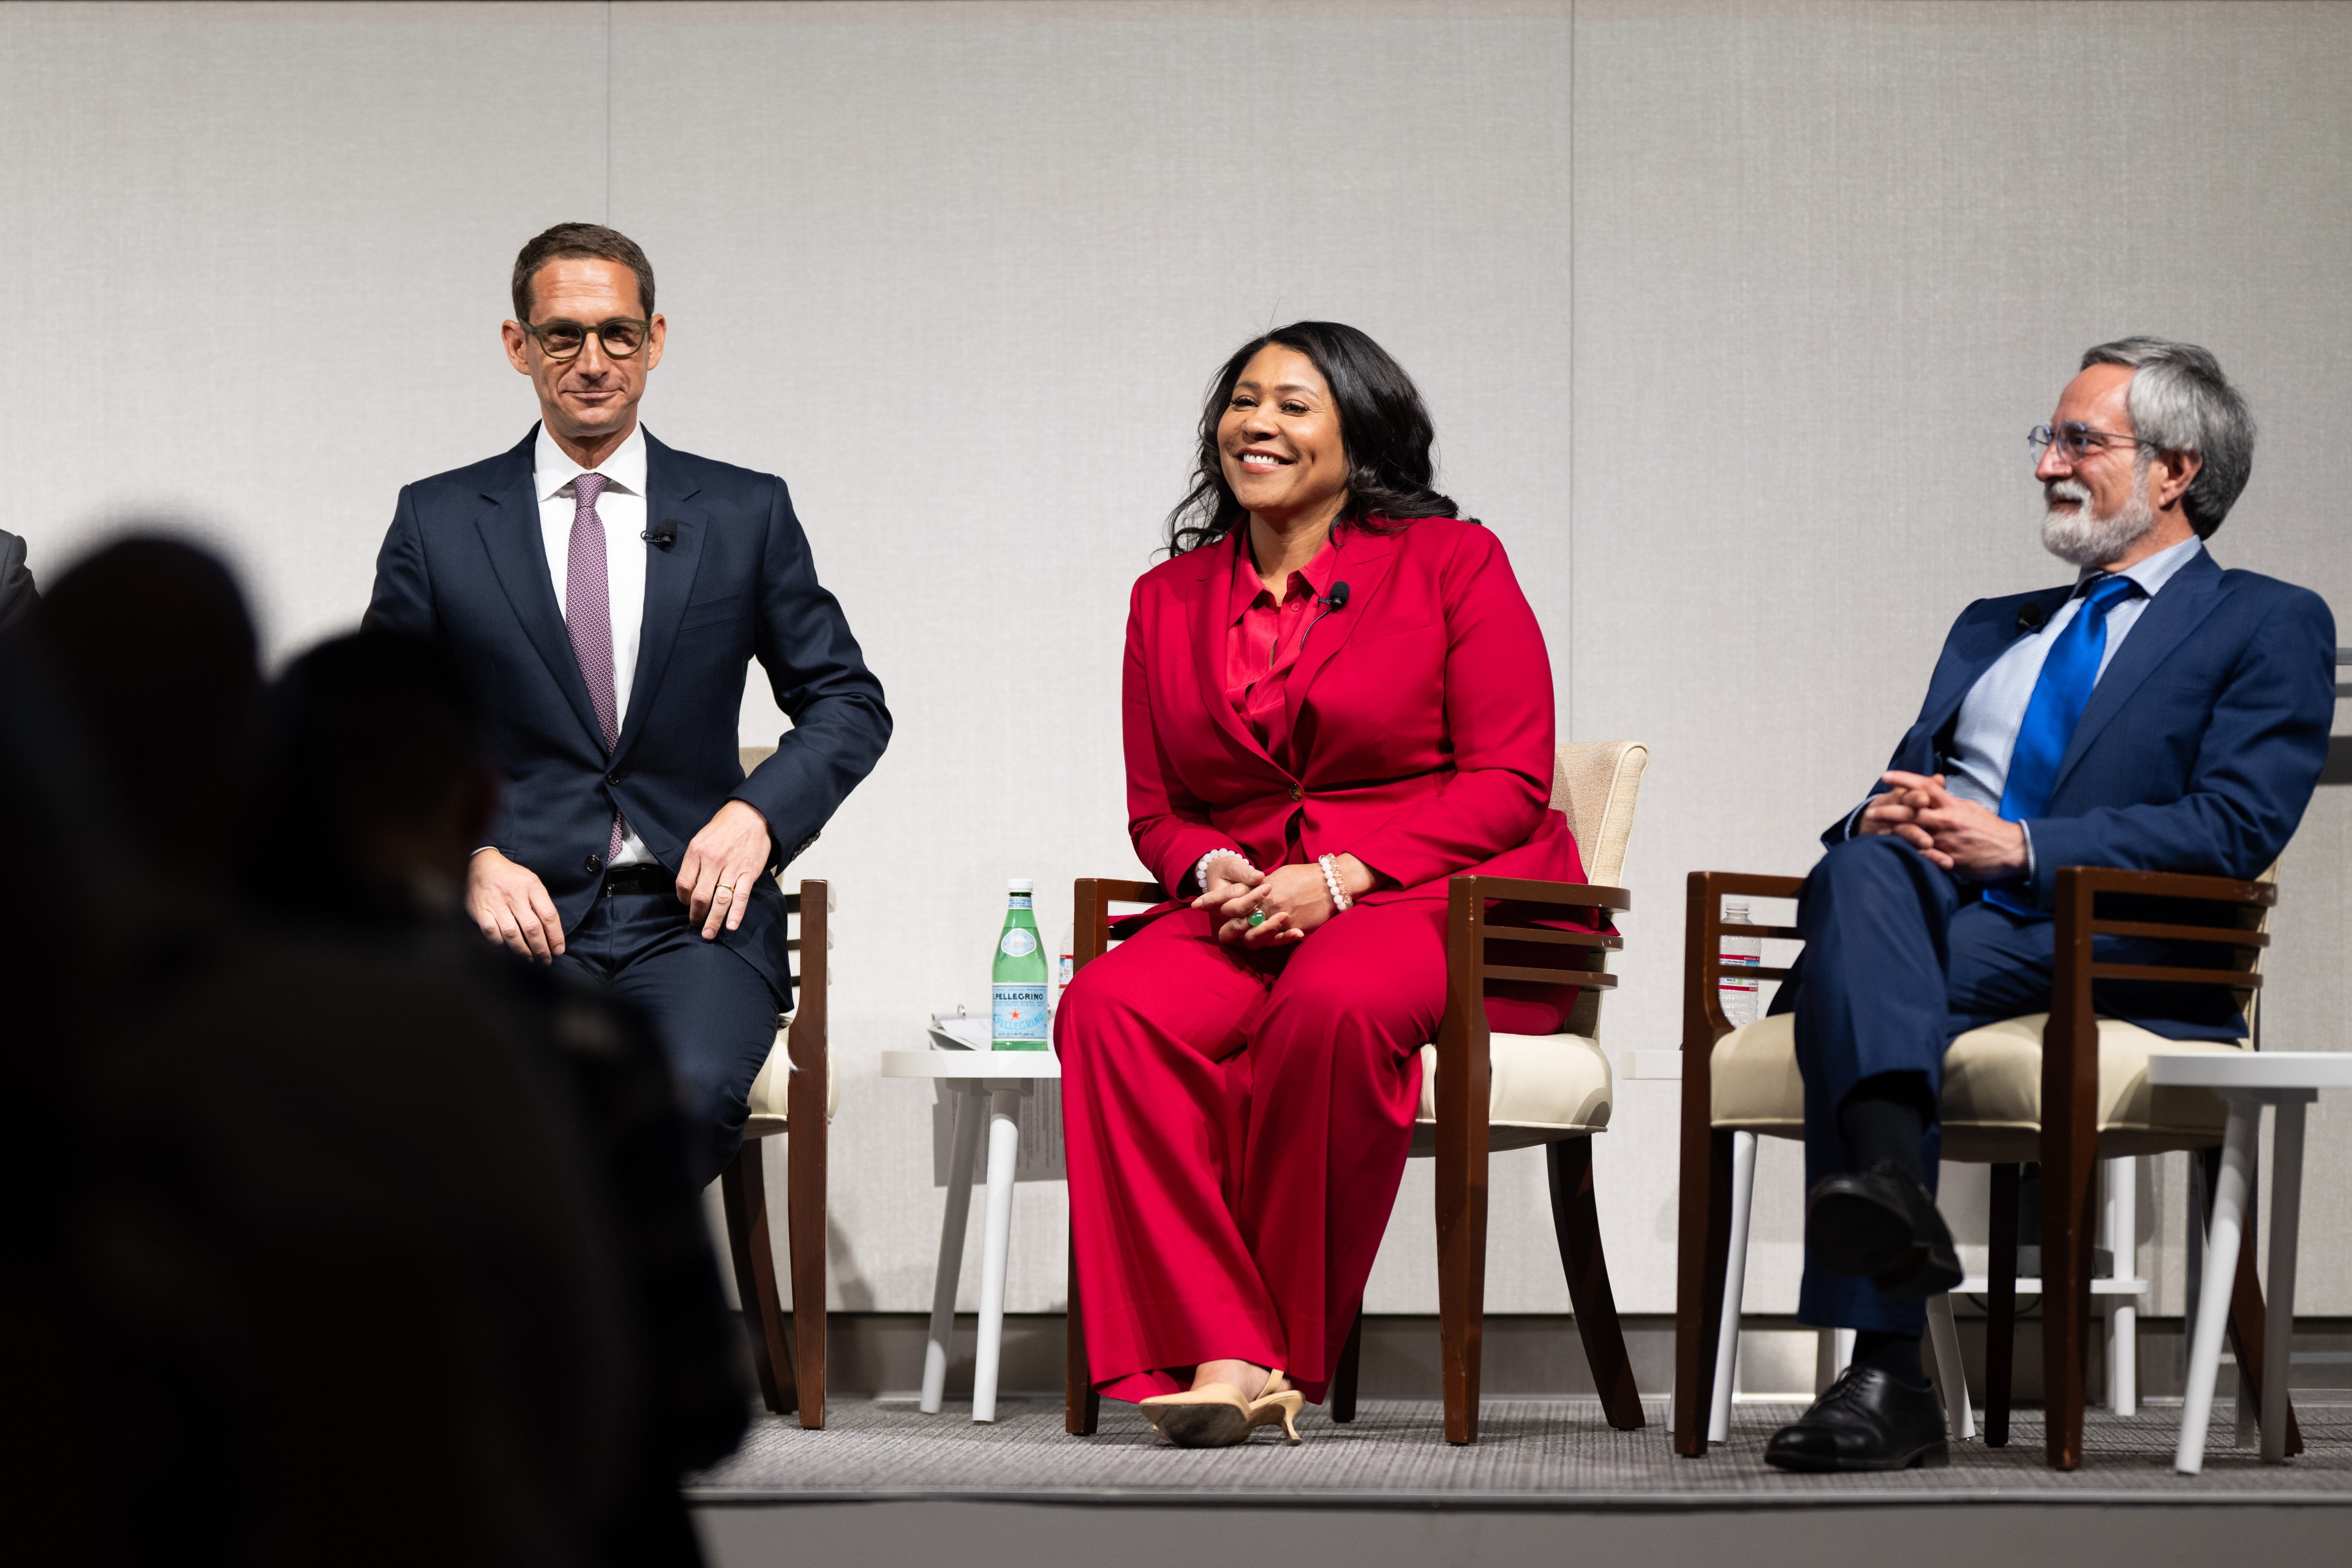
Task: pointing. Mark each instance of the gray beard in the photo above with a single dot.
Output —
(2082, 539)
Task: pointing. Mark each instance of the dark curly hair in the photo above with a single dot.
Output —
(1383, 426)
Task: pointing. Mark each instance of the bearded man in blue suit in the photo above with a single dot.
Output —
(606, 594)
(2162, 714)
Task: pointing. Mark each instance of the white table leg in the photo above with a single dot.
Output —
(951, 1229)
(1949, 1370)
(1003, 1148)
(1735, 1284)
(2123, 1312)
(2220, 1279)
(2278, 1332)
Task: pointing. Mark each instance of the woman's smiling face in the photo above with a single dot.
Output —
(1279, 438)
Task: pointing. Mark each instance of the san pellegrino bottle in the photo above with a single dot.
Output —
(1019, 981)
(1740, 995)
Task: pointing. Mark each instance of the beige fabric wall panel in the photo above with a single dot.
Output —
(259, 256)
(962, 274)
(1831, 261)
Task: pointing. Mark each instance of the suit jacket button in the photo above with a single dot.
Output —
(595, 863)
(615, 778)
(1297, 792)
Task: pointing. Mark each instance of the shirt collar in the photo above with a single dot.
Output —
(554, 470)
(1247, 584)
(2159, 569)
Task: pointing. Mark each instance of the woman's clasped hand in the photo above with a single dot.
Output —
(1293, 900)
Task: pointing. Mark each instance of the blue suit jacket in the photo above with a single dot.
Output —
(2202, 743)
(464, 564)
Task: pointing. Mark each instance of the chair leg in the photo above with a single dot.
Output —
(804, 1169)
(1735, 1288)
(1576, 1222)
(1081, 1405)
(1703, 1248)
(1950, 1371)
(1343, 1377)
(2001, 1309)
(743, 1193)
(2069, 1191)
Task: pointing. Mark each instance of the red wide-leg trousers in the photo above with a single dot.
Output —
(1236, 1125)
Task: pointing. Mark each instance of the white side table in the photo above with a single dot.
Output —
(997, 1081)
(2249, 1081)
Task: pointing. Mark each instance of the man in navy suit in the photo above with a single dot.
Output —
(605, 595)
(2160, 714)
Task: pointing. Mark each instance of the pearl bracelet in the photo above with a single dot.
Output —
(1340, 901)
(1200, 866)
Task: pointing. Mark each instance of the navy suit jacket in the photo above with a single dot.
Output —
(2202, 743)
(464, 564)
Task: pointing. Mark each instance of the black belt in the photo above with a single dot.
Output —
(640, 879)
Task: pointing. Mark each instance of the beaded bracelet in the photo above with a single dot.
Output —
(1340, 901)
(1200, 866)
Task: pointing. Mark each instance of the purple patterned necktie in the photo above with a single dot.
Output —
(588, 613)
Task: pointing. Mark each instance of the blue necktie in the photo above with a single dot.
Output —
(2060, 695)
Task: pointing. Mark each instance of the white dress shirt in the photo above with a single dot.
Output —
(623, 507)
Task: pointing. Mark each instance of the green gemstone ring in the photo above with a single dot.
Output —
(1257, 917)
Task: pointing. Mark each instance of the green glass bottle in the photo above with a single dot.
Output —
(1019, 981)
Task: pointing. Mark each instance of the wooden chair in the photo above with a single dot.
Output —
(2067, 1087)
(1482, 1091)
(797, 1091)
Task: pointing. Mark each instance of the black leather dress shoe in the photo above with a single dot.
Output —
(1867, 1421)
(1882, 1224)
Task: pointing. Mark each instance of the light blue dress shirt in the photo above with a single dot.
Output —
(1985, 733)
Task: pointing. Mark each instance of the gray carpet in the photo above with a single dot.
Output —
(1531, 1452)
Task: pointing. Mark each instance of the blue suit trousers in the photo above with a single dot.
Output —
(1899, 958)
(714, 1014)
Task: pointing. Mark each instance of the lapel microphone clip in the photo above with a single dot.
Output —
(663, 534)
(2031, 617)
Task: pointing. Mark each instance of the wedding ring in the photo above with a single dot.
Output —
(1257, 917)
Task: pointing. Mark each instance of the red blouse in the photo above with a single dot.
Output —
(1264, 639)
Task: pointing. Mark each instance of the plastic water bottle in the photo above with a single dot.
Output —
(1740, 995)
(1019, 981)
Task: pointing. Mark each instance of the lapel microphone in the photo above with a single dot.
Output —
(663, 534)
(1338, 601)
(2031, 617)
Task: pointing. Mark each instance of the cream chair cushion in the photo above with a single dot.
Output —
(769, 1108)
(1992, 1089)
(1543, 1087)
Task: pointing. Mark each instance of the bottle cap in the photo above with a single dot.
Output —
(1022, 885)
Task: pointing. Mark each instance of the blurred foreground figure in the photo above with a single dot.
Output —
(343, 1264)
(377, 782)
(17, 593)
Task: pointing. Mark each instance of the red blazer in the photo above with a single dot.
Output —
(1420, 714)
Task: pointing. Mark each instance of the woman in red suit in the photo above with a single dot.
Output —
(1336, 698)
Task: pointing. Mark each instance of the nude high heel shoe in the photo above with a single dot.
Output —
(1219, 1415)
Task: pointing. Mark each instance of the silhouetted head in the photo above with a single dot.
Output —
(153, 653)
(376, 788)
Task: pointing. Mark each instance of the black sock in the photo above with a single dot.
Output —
(1897, 1355)
(1883, 1118)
